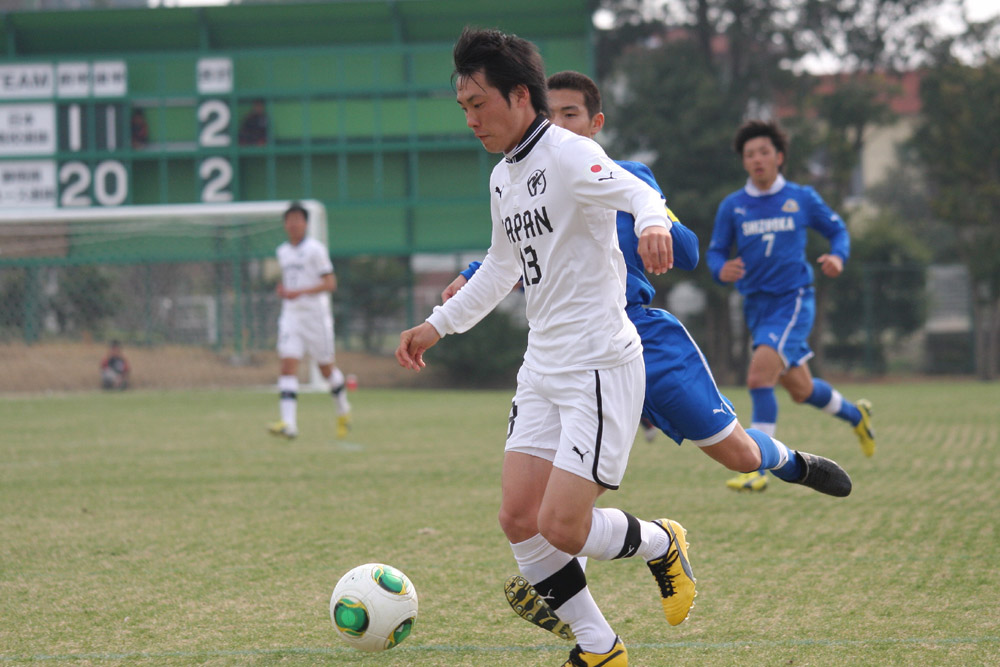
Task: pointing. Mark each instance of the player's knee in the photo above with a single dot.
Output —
(563, 535)
(517, 526)
(738, 453)
(799, 392)
(758, 380)
(746, 459)
(798, 396)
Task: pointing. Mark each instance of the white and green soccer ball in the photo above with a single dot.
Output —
(373, 607)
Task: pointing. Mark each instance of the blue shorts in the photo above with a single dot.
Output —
(682, 399)
(783, 322)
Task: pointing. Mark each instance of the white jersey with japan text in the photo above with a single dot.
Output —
(303, 266)
(554, 201)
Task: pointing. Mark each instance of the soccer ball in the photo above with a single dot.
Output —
(373, 607)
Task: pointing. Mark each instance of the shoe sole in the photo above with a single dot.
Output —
(827, 477)
(526, 603)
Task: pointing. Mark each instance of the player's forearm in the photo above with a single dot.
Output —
(686, 253)
(715, 260)
(475, 300)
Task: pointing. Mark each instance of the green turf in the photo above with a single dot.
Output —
(170, 529)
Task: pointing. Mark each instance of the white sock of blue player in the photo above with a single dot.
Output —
(830, 401)
(617, 534)
(339, 391)
(288, 387)
(776, 456)
(559, 580)
(765, 410)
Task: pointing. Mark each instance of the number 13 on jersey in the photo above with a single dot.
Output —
(529, 262)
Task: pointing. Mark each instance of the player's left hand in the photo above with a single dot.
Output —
(412, 344)
(453, 287)
(830, 265)
(656, 249)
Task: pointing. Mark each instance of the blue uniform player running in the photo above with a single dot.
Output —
(681, 398)
(767, 221)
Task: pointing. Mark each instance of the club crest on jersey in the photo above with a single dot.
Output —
(790, 206)
(536, 183)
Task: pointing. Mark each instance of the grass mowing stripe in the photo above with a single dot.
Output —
(938, 641)
(170, 524)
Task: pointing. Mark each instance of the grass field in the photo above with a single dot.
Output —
(169, 529)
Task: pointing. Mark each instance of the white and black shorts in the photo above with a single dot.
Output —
(306, 333)
(584, 422)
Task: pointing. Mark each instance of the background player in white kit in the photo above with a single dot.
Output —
(580, 389)
(305, 325)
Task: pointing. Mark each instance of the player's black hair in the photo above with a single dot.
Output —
(296, 207)
(507, 61)
(570, 80)
(759, 128)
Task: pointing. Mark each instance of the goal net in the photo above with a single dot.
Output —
(154, 277)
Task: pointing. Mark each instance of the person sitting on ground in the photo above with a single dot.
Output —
(114, 368)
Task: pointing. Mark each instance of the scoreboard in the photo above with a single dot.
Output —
(66, 137)
(144, 107)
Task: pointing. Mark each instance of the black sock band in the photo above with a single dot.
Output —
(633, 537)
(564, 584)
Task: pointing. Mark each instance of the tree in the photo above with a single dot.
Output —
(371, 290)
(676, 110)
(85, 299)
(487, 355)
(676, 99)
(959, 141)
(880, 294)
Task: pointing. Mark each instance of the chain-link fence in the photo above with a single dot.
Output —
(885, 320)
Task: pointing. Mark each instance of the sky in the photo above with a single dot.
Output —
(979, 10)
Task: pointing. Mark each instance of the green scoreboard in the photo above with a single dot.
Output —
(111, 108)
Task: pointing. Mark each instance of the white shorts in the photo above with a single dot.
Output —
(584, 422)
(300, 334)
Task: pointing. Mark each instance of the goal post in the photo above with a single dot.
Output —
(152, 217)
(202, 259)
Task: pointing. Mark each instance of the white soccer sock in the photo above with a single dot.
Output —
(836, 401)
(289, 384)
(339, 391)
(538, 560)
(609, 534)
(593, 633)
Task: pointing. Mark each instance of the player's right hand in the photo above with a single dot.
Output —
(656, 249)
(452, 289)
(412, 344)
(732, 270)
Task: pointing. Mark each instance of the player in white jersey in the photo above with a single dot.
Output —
(305, 325)
(580, 390)
(681, 395)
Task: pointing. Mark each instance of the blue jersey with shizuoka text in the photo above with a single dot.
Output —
(769, 231)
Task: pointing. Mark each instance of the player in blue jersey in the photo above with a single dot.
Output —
(767, 221)
(682, 398)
